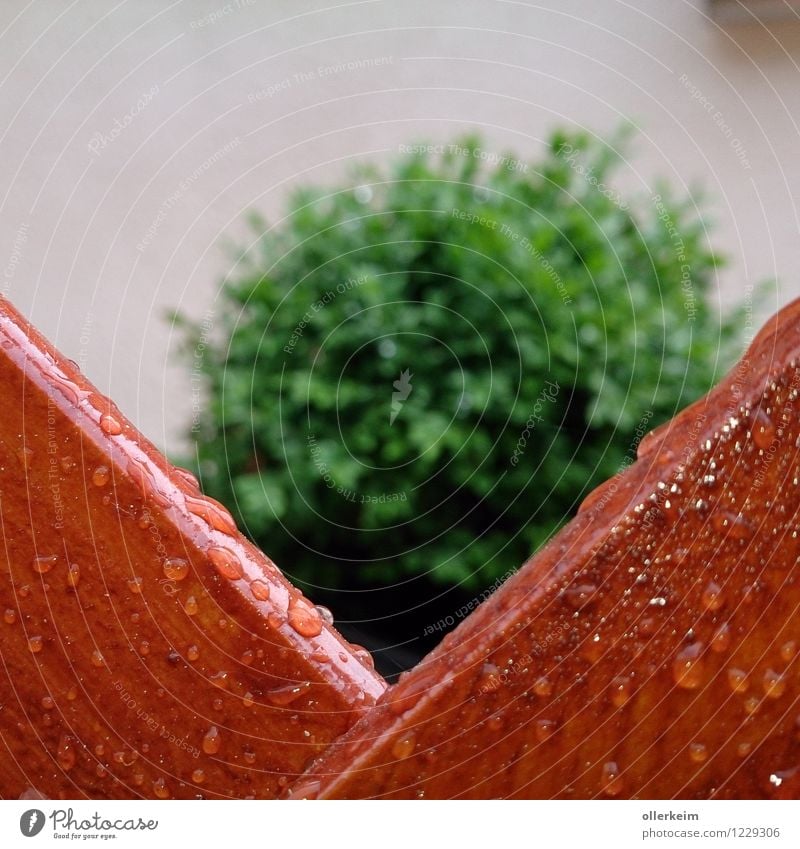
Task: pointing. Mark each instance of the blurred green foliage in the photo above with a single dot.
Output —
(489, 284)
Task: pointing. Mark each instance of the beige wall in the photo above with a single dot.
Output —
(234, 92)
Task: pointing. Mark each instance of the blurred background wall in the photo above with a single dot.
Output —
(135, 135)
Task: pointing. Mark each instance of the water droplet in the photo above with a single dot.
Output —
(47, 703)
(712, 596)
(751, 704)
(611, 781)
(788, 651)
(160, 788)
(495, 723)
(247, 700)
(198, 776)
(737, 680)
(763, 431)
(404, 747)
(65, 756)
(304, 618)
(282, 696)
(220, 679)
(543, 686)
(305, 790)
(97, 658)
(721, 640)
(176, 568)
(226, 563)
(687, 667)
(249, 756)
(101, 476)
(135, 585)
(187, 478)
(621, 691)
(324, 614)
(144, 648)
(192, 653)
(217, 704)
(579, 596)
(73, 575)
(774, 684)
(25, 457)
(785, 784)
(109, 425)
(190, 605)
(35, 644)
(42, 565)
(363, 655)
(212, 741)
(698, 753)
(247, 657)
(744, 749)
(126, 757)
(211, 512)
(73, 392)
(10, 616)
(544, 729)
(732, 525)
(411, 687)
(72, 694)
(259, 590)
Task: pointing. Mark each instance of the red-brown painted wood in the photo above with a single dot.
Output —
(146, 648)
(650, 650)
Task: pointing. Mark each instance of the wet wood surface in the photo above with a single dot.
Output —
(649, 651)
(147, 649)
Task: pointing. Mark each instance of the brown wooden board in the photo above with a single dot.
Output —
(146, 648)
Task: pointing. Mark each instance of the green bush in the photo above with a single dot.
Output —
(423, 373)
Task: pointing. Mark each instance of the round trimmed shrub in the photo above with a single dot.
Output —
(423, 372)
